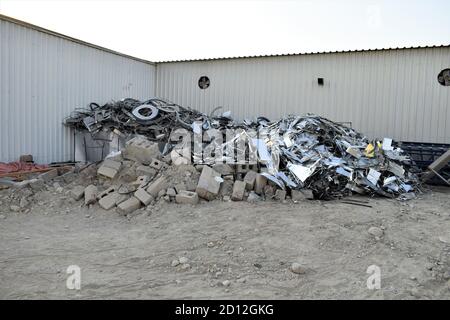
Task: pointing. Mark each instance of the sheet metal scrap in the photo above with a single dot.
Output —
(154, 118)
(333, 160)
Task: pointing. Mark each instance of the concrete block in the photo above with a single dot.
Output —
(180, 156)
(116, 165)
(90, 194)
(223, 168)
(187, 197)
(143, 196)
(140, 149)
(49, 175)
(107, 172)
(156, 164)
(191, 184)
(162, 193)
(260, 183)
(126, 188)
(280, 194)
(108, 191)
(180, 187)
(167, 159)
(253, 197)
(179, 161)
(145, 171)
(141, 181)
(111, 200)
(129, 206)
(209, 183)
(250, 179)
(199, 167)
(171, 192)
(156, 186)
(226, 189)
(238, 190)
(269, 191)
(77, 192)
(128, 172)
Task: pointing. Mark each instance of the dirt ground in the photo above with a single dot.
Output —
(235, 250)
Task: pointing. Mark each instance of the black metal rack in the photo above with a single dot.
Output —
(423, 154)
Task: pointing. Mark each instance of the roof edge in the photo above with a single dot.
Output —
(305, 53)
(63, 36)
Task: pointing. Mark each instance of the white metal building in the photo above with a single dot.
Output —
(388, 92)
(44, 75)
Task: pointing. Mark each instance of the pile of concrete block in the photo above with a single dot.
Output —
(141, 176)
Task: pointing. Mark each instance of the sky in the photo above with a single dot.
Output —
(171, 30)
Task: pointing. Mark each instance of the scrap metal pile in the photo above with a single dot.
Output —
(154, 118)
(295, 153)
(332, 160)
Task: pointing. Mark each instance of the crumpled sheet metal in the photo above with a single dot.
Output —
(154, 118)
(332, 160)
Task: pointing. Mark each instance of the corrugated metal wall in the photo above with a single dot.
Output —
(382, 93)
(44, 77)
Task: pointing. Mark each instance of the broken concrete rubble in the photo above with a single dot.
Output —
(260, 183)
(226, 189)
(141, 150)
(156, 164)
(77, 192)
(111, 200)
(249, 179)
(187, 197)
(157, 186)
(106, 192)
(224, 169)
(109, 168)
(280, 195)
(116, 165)
(145, 171)
(129, 206)
(171, 192)
(209, 183)
(238, 190)
(49, 175)
(90, 194)
(143, 196)
(253, 197)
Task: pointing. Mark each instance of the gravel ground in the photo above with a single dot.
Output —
(228, 250)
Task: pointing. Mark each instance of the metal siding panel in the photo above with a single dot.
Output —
(383, 93)
(44, 77)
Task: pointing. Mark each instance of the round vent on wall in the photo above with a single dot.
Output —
(444, 77)
(203, 82)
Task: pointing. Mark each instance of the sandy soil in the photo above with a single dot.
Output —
(250, 245)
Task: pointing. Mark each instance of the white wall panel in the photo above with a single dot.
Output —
(43, 77)
(382, 93)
